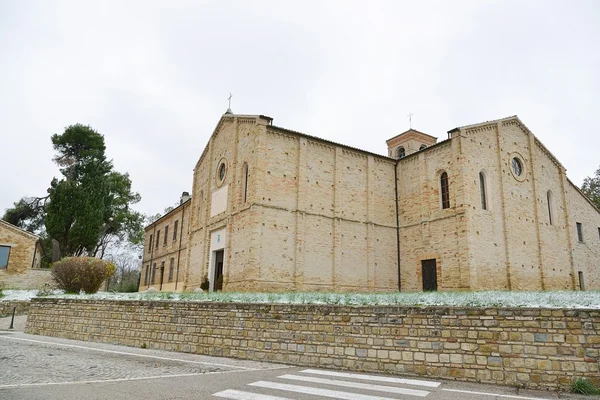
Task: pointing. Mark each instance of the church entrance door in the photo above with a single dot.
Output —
(429, 273)
(218, 278)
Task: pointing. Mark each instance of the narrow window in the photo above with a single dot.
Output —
(423, 147)
(4, 255)
(150, 244)
(146, 274)
(166, 235)
(598, 232)
(175, 228)
(579, 232)
(445, 190)
(482, 187)
(401, 152)
(152, 280)
(157, 239)
(581, 282)
(200, 205)
(244, 183)
(549, 198)
(171, 267)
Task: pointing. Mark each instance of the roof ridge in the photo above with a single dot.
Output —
(18, 230)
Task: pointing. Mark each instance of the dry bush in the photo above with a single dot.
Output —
(74, 274)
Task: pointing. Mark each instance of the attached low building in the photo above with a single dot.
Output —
(20, 259)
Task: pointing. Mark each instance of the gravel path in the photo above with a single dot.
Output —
(19, 324)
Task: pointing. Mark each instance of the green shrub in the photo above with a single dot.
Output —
(46, 289)
(205, 285)
(76, 274)
(584, 386)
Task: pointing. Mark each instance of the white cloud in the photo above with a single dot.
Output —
(154, 79)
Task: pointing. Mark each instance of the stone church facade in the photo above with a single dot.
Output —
(487, 208)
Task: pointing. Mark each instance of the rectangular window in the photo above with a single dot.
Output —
(171, 267)
(579, 232)
(150, 244)
(598, 232)
(581, 282)
(146, 274)
(153, 274)
(175, 226)
(166, 235)
(157, 238)
(162, 273)
(4, 255)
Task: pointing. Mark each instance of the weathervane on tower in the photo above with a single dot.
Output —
(410, 114)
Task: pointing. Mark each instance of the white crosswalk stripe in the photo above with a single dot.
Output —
(369, 387)
(240, 395)
(335, 394)
(357, 385)
(376, 378)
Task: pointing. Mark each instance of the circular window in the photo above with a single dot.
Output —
(221, 172)
(517, 167)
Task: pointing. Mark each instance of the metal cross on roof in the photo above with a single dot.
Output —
(410, 119)
(229, 108)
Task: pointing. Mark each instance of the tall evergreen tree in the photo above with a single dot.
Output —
(591, 188)
(88, 207)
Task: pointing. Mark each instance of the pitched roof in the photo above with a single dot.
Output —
(520, 123)
(410, 131)
(18, 230)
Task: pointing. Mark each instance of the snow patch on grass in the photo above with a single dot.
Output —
(557, 299)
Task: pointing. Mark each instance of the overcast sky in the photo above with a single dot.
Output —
(154, 77)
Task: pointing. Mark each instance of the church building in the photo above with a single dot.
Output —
(272, 209)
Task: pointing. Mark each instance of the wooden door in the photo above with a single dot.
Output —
(429, 273)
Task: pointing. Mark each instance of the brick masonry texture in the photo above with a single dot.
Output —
(6, 308)
(534, 348)
(23, 270)
(304, 214)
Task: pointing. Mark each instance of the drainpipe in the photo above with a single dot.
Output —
(397, 224)
(179, 249)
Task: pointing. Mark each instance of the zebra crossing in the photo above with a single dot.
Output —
(336, 387)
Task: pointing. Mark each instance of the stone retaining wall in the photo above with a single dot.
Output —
(6, 308)
(537, 348)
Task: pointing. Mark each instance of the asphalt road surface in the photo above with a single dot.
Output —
(39, 367)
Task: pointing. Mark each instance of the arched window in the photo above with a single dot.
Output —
(423, 147)
(482, 188)
(445, 190)
(244, 182)
(400, 152)
(549, 198)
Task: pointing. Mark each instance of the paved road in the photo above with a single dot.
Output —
(38, 367)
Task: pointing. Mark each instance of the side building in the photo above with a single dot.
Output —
(20, 259)
(165, 250)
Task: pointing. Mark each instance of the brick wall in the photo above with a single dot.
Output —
(6, 308)
(535, 348)
(172, 250)
(23, 270)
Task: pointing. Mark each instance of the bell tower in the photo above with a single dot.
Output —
(409, 142)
